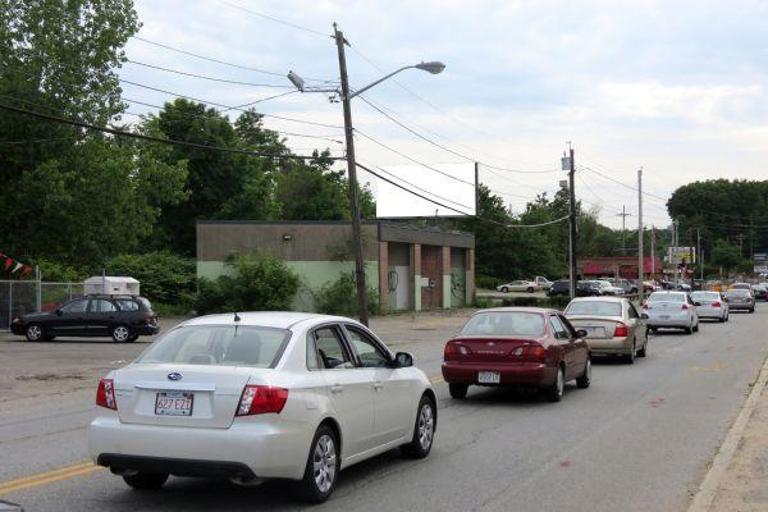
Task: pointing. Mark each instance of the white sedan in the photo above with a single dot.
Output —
(518, 286)
(251, 396)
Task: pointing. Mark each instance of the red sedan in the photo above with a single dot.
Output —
(517, 346)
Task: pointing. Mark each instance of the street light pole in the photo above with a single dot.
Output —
(354, 196)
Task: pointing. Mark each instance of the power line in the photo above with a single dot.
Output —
(629, 187)
(149, 138)
(228, 107)
(275, 19)
(422, 189)
(206, 77)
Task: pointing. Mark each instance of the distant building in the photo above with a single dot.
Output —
(413, 268)
(620, 266)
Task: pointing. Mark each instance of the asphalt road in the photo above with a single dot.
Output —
(640, 439)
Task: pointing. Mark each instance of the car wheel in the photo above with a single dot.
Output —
(504, 289)
(584, 381)
(643, 352)
(35, 332)
(752, 310)
(120, 334)
(146, 481)
(322, 466)
(458, 391)
(688, 330)
(630, 358)
(423, 430)
(529, 289)
(696, 327)
(727, 317)
(556, 390)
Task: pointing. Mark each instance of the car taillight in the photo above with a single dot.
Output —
(716, 304)
(646, 306)
(621, 330)
(261, 400)
(685, 307)
(530, 353)
(454, 351)
(105, 394)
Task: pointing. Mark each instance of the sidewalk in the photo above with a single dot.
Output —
(737, 480)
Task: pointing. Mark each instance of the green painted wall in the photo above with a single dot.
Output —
(313, 275)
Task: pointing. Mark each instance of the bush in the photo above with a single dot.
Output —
(256, 283)
(487, 282)
(52, 271)
(340, 297)
(165, 277)
(558, 302)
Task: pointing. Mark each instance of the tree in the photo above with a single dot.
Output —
(726, 255)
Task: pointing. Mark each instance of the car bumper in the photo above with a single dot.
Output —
(609, 346)
(249, 447)
(146, 330)
(710, 313)
(17, 328)
(535, 374)
(673, 321)
(742, 306)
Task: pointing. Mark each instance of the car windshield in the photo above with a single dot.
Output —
(593, 308)
(666, 297)
(705, 296)
(224, 345)
(504, 323)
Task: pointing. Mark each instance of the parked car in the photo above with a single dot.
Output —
(613, 326)
(740, 286)
(710, 305)
(587, 289)
(250, 396)
(517, 346)
(560, 287)
(651, 286)
(123, 317)
(671, 309)
(606, 288)
(518, 286)
(760, 291)
(542, 282)
(740, 299)
(629, 287)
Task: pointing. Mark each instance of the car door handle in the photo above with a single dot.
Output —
(337, 388)
(377, 386)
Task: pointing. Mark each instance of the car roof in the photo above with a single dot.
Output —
(518, 309)
(602, 298)
(274, 319)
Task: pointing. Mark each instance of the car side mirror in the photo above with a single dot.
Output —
(644, 316)
(403, 360)
(59, 312)
(581, 333)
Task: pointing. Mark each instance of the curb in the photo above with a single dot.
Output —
(705, 496)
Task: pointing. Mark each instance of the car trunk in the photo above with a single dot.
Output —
(490, 349)
(596, 326)
(207, 396)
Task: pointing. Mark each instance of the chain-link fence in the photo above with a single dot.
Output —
(20, 297)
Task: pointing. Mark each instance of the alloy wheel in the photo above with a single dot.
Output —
(121, 333)
(324, 463)
(426, 426)
(34, 332)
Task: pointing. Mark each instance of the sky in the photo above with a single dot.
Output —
(677, 88)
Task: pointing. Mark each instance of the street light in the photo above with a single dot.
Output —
(434, 68)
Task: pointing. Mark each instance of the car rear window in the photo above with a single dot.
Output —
(223, 345)
(144, 302)
(666, 297)
(594, 308)
(738, 293)
(504, 323)
(701, 296)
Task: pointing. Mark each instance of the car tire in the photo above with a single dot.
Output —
(504, 289)
(688, 330)
(120, 334)
(423, 430)
(557, 389)
(721, 319)
(529, 289)
(35, 332)
(643, 352)
(727, 317)
(696, 327)
(323, 452)
(146, 481)
(630, 358)
(752, 310)
(585, 380)
(458, 391)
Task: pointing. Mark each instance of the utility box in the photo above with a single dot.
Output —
(111, 285)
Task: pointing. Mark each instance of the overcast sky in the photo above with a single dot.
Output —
(678, 88)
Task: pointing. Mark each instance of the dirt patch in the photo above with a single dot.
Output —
(50, 376)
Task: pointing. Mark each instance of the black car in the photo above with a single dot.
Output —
(760, 292)
(124, 318)
(560, 287)
(587, 289)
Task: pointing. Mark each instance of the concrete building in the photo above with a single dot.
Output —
(413, 268)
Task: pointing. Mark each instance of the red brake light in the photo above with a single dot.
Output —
(261, 400)
(454, 351)
(105, 394)
(716, 304)
(685, 307)
(530, 353)
(621, 330)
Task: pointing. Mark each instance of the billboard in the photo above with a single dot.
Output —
(451, 185)
(678, 255)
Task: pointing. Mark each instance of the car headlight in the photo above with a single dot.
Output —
(16, 320)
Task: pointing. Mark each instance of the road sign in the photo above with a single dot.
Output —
(678, 255)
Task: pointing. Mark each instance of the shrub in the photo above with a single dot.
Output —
(340, 297)
(256, 283)
(165, 277)
(52, 271)
(487, 282)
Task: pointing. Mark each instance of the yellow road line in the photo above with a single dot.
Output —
(437, 379)
(48, 477)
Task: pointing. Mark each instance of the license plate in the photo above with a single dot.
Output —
(488, 377)
(595, 332)
(664, 317)
(174, 403)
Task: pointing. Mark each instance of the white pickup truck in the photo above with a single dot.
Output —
(542, 282)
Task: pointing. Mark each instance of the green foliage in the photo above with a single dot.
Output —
(487, 282)
(255, 283)
(165, 277)
(726, 255)
(54, 271)
(340, 297)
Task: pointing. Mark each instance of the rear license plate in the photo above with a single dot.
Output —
(488, 377)
(595, 332)
(174, 403)
(664, 317)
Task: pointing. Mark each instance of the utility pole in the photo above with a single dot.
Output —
(572, 245)
(653, 252)
(623, 216)
(690, 255)
(362, 291)
(701, 254)
(675, 242)
(740, 237)
(640, 255)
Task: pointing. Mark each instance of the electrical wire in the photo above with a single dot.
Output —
(422, 189)
(149, 138)
(274, 19)
(206, 77)
(630, 187)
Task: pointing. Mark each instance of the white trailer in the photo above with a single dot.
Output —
(111, 285)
